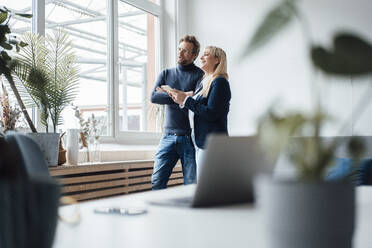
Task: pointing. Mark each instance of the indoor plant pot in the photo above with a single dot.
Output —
(309, 214)
(49, 145)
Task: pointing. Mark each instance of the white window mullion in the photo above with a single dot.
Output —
(112, 67)
(144, 100)
(145, 5)
(38, 19)
(38, 26)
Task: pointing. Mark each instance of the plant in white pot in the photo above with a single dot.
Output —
(48, 77)
(309, 210)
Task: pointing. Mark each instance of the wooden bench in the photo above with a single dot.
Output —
(92, 181)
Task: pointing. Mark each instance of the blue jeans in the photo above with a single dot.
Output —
(172, 148)
(359, 171)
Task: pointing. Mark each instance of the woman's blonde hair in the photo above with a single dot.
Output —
(219, 71)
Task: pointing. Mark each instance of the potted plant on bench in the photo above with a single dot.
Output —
(48, 74)
(309, 210)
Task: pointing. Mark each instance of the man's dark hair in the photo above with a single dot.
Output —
(192, 39)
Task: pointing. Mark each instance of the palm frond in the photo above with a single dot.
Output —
(47, 71)
(64, 74)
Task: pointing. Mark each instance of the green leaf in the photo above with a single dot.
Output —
(6, 45)
(24, 15)
(5, 56)
(3, 16)
(350, 55)
(4, 29)
(22, 44)
(273, 23)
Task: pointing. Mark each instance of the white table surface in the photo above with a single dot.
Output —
(232, 226)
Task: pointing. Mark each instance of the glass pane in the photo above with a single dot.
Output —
(85, 22)
(137, 65)
(19, 25)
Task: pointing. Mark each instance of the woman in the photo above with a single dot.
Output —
(210, 104)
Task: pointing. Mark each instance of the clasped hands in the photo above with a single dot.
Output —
(177, 95)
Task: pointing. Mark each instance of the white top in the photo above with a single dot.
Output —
(204, 83)
(235, 226)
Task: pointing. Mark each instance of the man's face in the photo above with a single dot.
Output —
(185, 55)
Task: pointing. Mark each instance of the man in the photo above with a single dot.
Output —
(176, 142)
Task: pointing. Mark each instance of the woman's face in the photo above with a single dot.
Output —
(208, 62)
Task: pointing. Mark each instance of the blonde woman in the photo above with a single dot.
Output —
(211, 102)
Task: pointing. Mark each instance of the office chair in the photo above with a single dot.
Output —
(30, 200)
(29, 156)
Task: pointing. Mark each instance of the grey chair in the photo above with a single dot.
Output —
(29, 156)
(29, 198)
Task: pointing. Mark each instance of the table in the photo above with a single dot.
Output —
(229, 226)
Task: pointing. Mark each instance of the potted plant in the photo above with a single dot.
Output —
(9, 114)
(9, 43)
(308, 210)
(90, 133)
(48, 74)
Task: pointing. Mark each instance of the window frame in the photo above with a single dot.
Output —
(114, 134)
(131, 137)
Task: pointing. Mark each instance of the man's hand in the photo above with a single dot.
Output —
(178, 96)
(158, 89)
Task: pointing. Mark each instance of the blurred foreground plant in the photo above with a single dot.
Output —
(349, 56)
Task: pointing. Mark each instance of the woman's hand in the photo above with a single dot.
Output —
(178, 96)
(189, 93)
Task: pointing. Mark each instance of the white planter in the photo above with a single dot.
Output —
(72, 146)
(309, 215)
(49, 145)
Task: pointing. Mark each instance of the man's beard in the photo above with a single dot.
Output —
(184, 62)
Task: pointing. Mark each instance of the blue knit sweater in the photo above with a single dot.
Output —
(184, 78)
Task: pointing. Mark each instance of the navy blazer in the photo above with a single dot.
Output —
(211, 111)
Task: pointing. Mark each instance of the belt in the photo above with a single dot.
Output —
(178, 134)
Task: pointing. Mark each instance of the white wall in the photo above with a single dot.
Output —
(281, 71)
(168, 33)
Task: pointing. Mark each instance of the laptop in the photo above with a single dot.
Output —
(228, 168)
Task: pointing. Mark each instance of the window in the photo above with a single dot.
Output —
(137, 63)
(18, 24)
(85, 22)
(116, 43)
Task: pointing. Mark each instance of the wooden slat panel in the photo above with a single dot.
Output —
(139, 180)
(177, 169)
(90, 186)
(139, 173)
(85, 169)
(148, 179)
(92, 178)
(139, 187)
(176, 175)
(138, 166)
(112, 176)
(121, 175)
(175, 181)
(129, 162)
(101, 193)
(79, 169)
